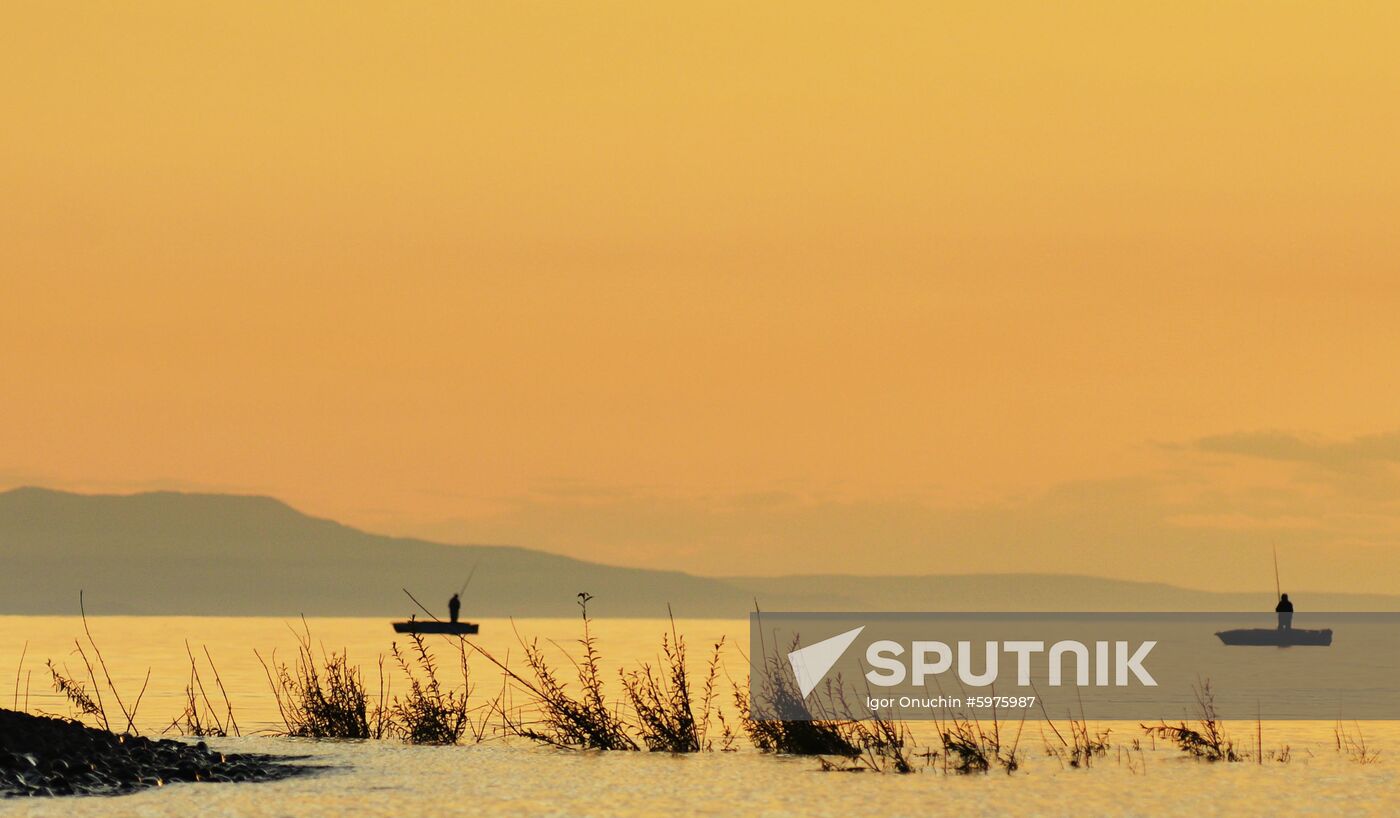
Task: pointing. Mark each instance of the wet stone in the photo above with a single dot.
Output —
(43, 756)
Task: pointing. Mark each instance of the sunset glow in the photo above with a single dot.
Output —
(723, 288)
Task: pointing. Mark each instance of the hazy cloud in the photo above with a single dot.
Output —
(1188, 525)
(1365, 450)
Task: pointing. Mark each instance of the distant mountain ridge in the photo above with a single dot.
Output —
(219, 554)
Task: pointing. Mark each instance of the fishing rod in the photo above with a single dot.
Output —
(469, 578)
(1278, 589)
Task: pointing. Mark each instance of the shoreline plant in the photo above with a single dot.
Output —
(1204, 738)
(427, 714)
(325, 700)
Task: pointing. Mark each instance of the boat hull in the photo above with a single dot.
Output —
(1276, 637)
(453, 628)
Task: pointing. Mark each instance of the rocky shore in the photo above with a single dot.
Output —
(48, 756)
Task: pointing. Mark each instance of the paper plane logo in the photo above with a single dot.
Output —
(811, 663)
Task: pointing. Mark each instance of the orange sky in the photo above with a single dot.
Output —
(726, 288)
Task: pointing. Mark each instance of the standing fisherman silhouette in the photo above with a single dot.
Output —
(454, 605)
(1284, 609)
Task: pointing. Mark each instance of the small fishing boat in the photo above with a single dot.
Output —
(435, 625)
(1276, 637)
(429, 626)
(1282, 636)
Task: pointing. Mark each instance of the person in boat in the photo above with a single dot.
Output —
(1284, 609)
(454, 607)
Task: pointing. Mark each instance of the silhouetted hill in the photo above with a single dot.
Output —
(175, 553)
(167, 552)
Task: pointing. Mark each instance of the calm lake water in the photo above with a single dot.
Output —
(513, 777)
